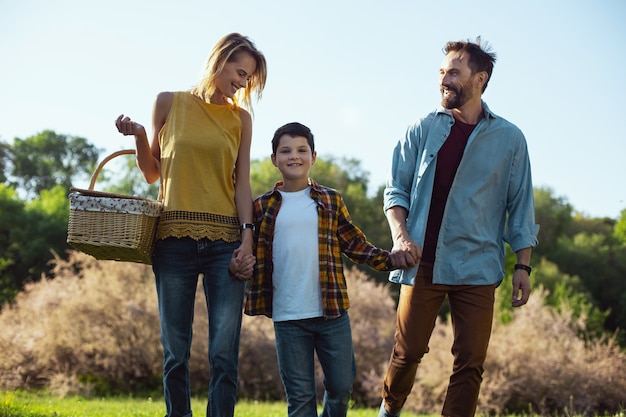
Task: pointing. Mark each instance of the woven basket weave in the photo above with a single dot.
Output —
(112, 226)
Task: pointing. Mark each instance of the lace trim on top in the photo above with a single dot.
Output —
(198, 226)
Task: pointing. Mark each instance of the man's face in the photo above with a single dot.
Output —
(456, 82)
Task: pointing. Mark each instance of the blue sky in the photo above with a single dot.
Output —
(356, 71)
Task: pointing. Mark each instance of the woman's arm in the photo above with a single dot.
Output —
(243, 189)
(148, 155)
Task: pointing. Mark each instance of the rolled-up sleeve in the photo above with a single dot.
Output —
(522, 230)
(402, 171)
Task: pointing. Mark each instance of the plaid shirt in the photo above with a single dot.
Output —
(336, 235)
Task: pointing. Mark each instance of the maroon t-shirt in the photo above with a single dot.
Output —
(448, 160)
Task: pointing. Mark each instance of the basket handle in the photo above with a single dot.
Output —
(94, 177)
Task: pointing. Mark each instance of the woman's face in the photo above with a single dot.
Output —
(234, 75)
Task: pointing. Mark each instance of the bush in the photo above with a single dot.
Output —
(94, 330)
(94, 327)
(545, 361)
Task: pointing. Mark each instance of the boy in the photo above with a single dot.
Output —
(301, 230)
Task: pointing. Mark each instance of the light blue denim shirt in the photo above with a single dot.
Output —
(490, 201)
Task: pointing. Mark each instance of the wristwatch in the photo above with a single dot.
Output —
(524, 267)
(247, 226)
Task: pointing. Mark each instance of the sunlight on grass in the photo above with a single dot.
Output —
(25, 404)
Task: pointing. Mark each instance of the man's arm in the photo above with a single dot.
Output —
(406, 253)
(521, 279)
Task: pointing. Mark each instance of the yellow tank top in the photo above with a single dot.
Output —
(199, 146)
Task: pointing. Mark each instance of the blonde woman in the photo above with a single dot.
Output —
(200, 150)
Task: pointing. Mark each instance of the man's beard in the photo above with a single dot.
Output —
(457, 100)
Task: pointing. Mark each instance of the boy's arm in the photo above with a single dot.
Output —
(354, 243)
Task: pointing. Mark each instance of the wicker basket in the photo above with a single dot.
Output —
(112, 226)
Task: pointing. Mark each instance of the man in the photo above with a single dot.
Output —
(460, 187)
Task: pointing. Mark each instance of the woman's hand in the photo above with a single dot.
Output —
(241, 265)
(127, 127)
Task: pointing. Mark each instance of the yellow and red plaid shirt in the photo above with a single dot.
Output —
(336, 235)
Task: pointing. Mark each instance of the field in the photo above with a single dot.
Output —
(23, 404)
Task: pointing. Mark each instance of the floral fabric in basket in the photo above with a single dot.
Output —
(114, 204)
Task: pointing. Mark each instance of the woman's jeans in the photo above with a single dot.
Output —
(296, 344)
(471, 310)
(177, 263)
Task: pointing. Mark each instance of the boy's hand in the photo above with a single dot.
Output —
(241, 265)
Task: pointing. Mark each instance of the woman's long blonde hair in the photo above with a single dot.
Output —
(224, 51)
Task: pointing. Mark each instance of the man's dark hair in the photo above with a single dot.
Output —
(293, 129)
(480, 56)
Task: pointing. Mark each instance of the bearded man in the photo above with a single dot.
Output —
(460, 187)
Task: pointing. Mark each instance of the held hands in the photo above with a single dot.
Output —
(521, 282)
(241, 264)
(405, 254)
(127, 127)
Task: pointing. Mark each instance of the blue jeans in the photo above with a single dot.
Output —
(296, 343)
(177, 263)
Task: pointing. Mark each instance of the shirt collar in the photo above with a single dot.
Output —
(314, 186)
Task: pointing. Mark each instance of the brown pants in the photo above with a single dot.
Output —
(471, 309)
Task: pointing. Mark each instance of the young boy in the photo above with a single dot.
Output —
(301, 230)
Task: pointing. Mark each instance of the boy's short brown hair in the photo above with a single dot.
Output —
(293, 129)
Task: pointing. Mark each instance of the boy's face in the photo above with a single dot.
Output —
(293, 157)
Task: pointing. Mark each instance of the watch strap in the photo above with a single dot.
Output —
(524, 267)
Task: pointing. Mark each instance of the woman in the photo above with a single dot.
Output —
(200, 151)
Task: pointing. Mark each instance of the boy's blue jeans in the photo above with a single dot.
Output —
(296, 344)
(177, 263)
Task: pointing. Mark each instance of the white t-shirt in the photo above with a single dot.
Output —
(296, 277)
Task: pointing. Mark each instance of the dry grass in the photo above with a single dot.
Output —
(96, 332)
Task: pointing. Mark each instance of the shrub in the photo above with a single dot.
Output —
(95, 326)
(545, 361)
(94, 330)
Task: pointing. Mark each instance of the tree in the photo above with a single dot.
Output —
(263, 176)
(4, 161)
(600, 262)
(47, 159)
(122, 176)
(619, 231)
(554, 215)
(30, 233)
(11, 214)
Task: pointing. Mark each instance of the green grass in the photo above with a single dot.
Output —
(27, 404)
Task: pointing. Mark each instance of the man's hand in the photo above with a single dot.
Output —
(405, 254)
(521, 283)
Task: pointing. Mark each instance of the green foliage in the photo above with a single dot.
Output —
(619, 231)
(47, 159)
(263, 176)
(30, 234)
(121, 175)
(11, 214)
(591, 258)
(600, 262)
(101, 331)
(560, 289)
(554, 215)
(4, 161)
